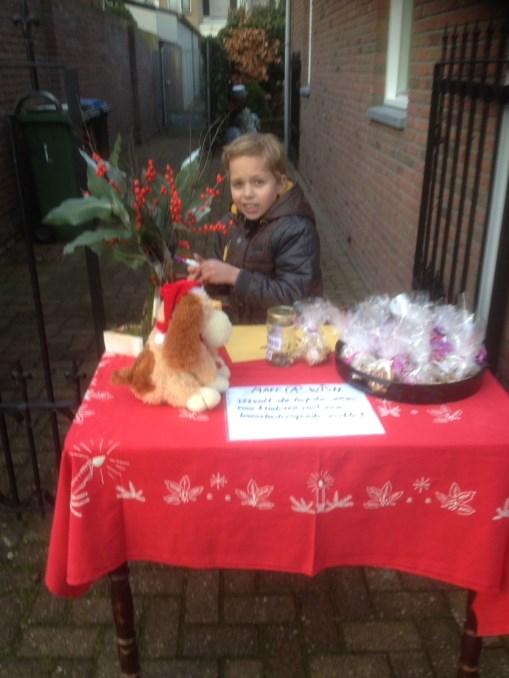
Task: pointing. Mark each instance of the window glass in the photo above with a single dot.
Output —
(398, 53)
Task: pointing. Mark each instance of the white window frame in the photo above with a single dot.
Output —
(400, 25)
(310, 40)
(305, 90)
(496, 213)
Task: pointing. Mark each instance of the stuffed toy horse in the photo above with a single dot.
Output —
(179, 364)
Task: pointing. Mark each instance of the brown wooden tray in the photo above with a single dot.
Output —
(407, 393)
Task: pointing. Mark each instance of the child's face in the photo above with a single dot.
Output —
(254, 187)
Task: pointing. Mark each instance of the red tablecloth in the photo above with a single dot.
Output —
(431, 496)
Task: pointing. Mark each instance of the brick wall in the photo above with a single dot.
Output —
(300, 34)
(368, 175)
(77, 34)
(14, 83)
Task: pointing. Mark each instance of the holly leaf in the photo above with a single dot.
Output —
(115, 154)
(91, 238)
(125, 252)
(118, 176)
(76, 211)
(187, 177)
(199, 209)
(134, 260)
(98, 186)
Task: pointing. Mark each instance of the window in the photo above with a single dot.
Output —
(305, 90)
(181, 6)
(310, 39)
(398, 53)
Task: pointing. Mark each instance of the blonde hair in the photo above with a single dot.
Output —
(266, 146)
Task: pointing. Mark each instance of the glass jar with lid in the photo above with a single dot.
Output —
(280, 335)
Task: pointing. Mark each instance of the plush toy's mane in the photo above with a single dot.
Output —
(181, 349)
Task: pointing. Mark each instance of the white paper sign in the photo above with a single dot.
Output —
(299, 411)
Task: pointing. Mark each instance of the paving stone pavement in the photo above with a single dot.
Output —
(343, 623)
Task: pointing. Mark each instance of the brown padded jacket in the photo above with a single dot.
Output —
(279, 258)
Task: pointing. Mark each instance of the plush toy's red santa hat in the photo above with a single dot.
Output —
(171, 294)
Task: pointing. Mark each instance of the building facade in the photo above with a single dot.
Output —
(365, 94)
(208, 16)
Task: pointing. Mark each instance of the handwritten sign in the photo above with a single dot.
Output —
(299, 411)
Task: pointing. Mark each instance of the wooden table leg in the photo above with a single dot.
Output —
(471, 643)
(123, 616)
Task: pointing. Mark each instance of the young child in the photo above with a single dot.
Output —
(271, 255)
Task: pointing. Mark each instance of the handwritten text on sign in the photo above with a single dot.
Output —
(299, 411)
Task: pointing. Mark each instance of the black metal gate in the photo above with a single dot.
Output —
(469, 93)
(26, 409)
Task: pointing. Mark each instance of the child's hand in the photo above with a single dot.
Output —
(217, 272)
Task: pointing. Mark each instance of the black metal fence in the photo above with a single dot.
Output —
(470, 91)
(27, 407)
(23, 411)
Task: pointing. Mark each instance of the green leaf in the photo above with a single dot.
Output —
(130, 259)
(120, 253)
(150, 236)
(187, 179)
(98, 186)
(200, 211)
(115, 154)
(193, 157)
(118, 176)
(161, 216)
(162, 220)
(76, 211)
(120, 211)
(125, 251)
(91, 238)
(87, 158)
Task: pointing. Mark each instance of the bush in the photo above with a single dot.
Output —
(118, 8)
(272, 20)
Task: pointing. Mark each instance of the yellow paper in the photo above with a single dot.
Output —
(332, 335)
(249, 342)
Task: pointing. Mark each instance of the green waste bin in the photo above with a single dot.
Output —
(52, 155)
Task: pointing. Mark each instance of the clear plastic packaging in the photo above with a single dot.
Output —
(411, 340)
(311, 342)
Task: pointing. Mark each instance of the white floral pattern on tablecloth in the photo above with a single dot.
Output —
(256, 497)
(445, 415)
(502, 511)
(456, 500)
(382, 497)
(181, 492)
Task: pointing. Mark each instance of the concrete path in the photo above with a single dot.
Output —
(344, 623)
